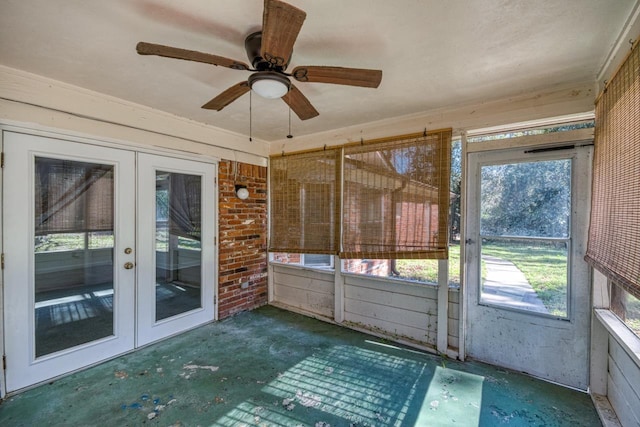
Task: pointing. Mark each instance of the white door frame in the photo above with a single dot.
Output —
(522, 348)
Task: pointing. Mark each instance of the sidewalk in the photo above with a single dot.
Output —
(506, 285)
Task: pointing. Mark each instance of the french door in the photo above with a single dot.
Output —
(105, 250)
(175, 281)
(528, 289)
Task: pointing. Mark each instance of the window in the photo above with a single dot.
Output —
(529, 131)
(322, 261)
(395, 204)
(626, 307)
(317, 260)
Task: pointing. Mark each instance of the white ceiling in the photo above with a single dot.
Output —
(433, 53)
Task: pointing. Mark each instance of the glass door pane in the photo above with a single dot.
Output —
(178, 247)
(73, 252)
(525, 212)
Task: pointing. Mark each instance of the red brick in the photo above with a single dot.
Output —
(242, 244)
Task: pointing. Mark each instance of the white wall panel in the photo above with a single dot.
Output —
(401, 310)
(303, 289)
(623, 385)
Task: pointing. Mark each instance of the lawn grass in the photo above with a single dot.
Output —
(426, 270)
(627, 309)
(632, 318)
(544, 266)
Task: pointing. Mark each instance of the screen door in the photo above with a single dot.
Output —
(528, 287)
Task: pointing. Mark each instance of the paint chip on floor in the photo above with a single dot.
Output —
(288, 404)
(195, 367)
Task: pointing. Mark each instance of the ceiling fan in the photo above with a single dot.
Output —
(270, 51)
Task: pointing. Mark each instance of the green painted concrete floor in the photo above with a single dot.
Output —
(271, 367)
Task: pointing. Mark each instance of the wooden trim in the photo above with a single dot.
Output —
(442, 331)
(398, 137)
(29, 98)
(554, 101)
(338, 291)
(408, 136)
(462, 300)
(620, 333)
(617, 70)
(528, 141)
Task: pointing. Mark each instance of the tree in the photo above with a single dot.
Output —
(526, 199)
(456, 180)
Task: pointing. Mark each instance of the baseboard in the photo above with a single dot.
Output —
(607, 415)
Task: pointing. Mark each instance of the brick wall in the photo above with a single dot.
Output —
(242, 282)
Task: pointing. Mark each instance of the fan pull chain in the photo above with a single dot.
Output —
(289, 135)
(289, 104)
(250, 118)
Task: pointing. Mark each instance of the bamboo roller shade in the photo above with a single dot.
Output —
(305, 202)
(614, 233)
(72, 197)
(395, 195)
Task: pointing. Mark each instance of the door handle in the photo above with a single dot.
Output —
(128, 265)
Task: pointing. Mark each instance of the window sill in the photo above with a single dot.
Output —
(621, 333)
(390, 279)
(322, 269)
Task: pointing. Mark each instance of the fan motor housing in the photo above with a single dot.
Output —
(253, 46)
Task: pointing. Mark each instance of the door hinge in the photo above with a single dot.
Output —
(2, 159)
(4, 362)
(215, 299)
(2, 262)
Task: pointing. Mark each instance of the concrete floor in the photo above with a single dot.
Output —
(270, 367)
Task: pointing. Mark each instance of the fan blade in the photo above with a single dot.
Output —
(281, 24)
(190, 55)
(227, 97)
(338, 75)
(299, 104)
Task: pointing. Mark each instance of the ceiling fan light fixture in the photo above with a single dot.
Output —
(269, 84)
